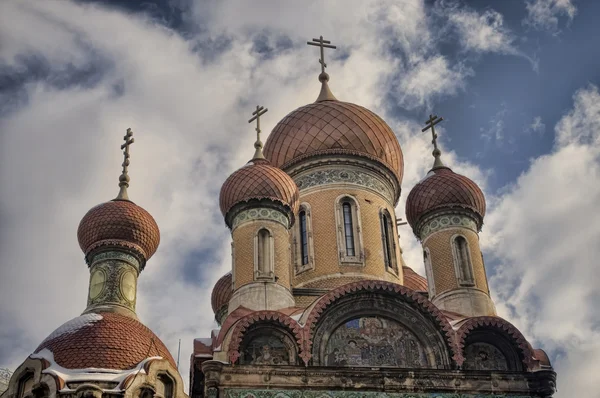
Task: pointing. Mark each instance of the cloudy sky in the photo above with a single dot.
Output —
(516, 82)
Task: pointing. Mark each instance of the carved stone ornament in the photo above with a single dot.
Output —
(113, 281)
(261, 213)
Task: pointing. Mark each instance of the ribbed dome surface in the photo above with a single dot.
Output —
(443, 188)
(119, 222)
(221, 293)
(258, 179)
(414, 281)
(334, 127)
(106, 340)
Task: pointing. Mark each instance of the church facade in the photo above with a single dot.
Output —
(319, 301)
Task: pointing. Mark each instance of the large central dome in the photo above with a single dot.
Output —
(334, 127)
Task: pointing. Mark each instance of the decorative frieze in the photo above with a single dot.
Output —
(115, 255)
(276, 393)
(447, 221)
(260, 213)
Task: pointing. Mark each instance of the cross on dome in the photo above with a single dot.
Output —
(430, 124)
(124, 177)
(325, 94)
(260, 110)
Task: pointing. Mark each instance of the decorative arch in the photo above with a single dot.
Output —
(388, 241)
(463, 264)
(264, 254)
(419, 311)
(304, 256)
(487, 324)
(349, 230)
(273, 318)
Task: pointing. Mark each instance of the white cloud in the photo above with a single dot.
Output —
(536, 126)
(483, 32)
(544, 14)
(544, 232)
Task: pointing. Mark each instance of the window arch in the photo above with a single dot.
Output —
(388, 241)
(264, 254)
(429, 272)
(349, 233)
(463, 265)
(164, 386)
(303, 240)
(25, 385)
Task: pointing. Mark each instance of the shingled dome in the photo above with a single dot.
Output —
(105, 341)
(259, 180)
(222, 292)
(334, 127)
(121, 223)
(443, 188)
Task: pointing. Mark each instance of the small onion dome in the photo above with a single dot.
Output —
(106, 341)
(332, 127)
(414, 281)
(443, 189)
(221, 292)
(120, 223)
(259, 180)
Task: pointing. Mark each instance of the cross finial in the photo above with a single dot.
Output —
(258, 144)
(124, 178)
(429, 124)
(322, 44)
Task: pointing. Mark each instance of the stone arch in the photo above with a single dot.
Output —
(487, 329)
(419, 314)
(273, 318)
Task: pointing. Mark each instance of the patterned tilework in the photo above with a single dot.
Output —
(273, 393)
(119, 221)
(442, 261)
(221, 293)
(443, 188)
(113, 342)
(243, 242)
(334, 127)
(327, 262)
(304, 301)
(258, 180)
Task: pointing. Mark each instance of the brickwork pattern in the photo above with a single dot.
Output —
(442, 260)
(243, 241)
(305, 301)
(334, 127)
(113, 342)
(324, 226)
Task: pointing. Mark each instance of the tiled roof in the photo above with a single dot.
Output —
(334, 127)
(443, 188)
(221, 293)
(109, 341)
(119, 222)
(259, 180)
(414, 281)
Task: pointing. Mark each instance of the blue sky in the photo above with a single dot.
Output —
(516, 82)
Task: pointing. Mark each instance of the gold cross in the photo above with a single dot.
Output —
(433, 120)
(124, 178)
(260, 110)
(323, 44)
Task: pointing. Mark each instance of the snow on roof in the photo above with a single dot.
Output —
(207, 341)
(89, 374)
(74, 325)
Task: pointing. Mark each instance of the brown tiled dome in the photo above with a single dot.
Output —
(258, 179)
(443, 188)
(334, 127)
(414, 281)
(221, 292)
(107, 340)
(119, 222)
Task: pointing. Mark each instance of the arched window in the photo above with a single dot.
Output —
(349, 231)
(387, 238)
(164, 386)
(25, 385)
(429, 272)
(303, 241)
(303, 238)
(263, 254)
(462, 261)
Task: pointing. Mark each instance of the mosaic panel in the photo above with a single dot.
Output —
(260, 213)
(484, 356)
(442, 222)
(374, 341)
(247, 393)
(265, 350)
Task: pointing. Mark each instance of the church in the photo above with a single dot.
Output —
(319, 302)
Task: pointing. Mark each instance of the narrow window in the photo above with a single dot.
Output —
(348, 229)
(264, 253)
(25, 385)
(429, 272)
(463, 260)
(165, 386)
(388, 244)
(303, 238)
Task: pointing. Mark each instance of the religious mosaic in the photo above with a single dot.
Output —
(484, 356)
(251, 393)
(374, 341)
(265, 350)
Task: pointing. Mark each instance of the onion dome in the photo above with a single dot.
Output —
(332, 127)
(119, 223)
(414, 281)
(221, 294)
(106, 341)
(444, 189)
(259, 180)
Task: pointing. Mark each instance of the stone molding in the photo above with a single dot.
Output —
(259, 213)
